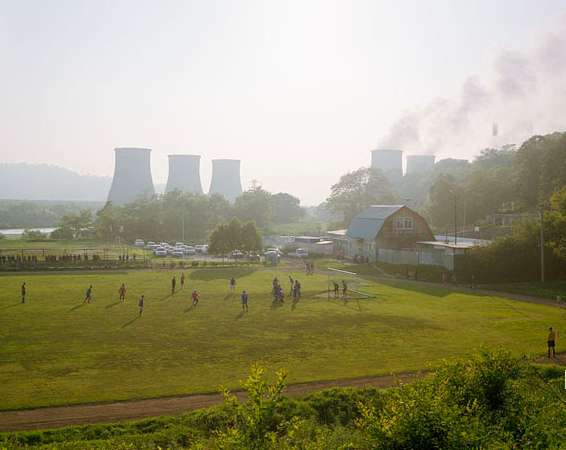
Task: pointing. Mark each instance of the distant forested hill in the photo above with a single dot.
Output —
(40, 213)
(45, 182)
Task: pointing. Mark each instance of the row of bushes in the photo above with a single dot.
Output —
(491, 400)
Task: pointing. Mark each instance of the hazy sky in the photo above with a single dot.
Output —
(300, 91)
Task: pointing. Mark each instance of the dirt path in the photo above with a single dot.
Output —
(59, 416)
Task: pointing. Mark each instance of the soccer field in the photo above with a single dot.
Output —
(55, 350)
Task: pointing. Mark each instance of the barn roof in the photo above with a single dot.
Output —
(367, 224)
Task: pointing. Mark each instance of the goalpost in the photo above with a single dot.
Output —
(353, 282)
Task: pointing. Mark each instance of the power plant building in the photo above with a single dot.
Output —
(226, 178)
(417, 164)
(388, 161)
(132, 176)
(184, 174)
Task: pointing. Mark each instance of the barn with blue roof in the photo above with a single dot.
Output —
(385, 227)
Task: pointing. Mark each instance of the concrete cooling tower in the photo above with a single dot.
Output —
(420, 163)
(226, 178)
(132, 176)
(184, 174)
(390, 162)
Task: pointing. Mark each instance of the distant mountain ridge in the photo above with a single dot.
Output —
(46, 182)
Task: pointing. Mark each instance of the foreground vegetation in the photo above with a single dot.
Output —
(57, 350)
(490, 400)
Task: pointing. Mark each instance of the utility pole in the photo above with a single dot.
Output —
(455, 223)
(541, 214)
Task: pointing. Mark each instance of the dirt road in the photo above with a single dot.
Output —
(53, 417)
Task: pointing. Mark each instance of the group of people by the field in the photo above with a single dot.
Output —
(336, 287)
(278, 293)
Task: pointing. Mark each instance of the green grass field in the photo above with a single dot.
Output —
(55, 350)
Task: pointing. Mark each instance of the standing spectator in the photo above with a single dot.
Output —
(23, 290)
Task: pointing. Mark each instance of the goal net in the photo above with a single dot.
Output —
(346, 285)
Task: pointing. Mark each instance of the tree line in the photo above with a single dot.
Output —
(176, 216)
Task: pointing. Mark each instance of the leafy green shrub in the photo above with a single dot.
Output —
(341, 406)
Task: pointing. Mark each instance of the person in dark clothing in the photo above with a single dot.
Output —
(183, 280)
(173, 284)
(551, 342)
(23, 291)
(141, 304)
(88, 295)
(244, 298)
(336, 289)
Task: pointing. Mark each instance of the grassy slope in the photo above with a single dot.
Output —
(546, 290)
(55, 350)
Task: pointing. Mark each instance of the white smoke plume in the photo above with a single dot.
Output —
(525, 94)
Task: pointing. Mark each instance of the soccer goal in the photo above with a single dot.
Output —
(354, 284)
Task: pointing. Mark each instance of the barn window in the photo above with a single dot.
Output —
(404, 223)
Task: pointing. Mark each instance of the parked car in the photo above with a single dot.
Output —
(236, 254)
(151, 245)
(178, 253)
(201, 248)
(301, 253)
(159, 251)
(139, 243)
(189, 250)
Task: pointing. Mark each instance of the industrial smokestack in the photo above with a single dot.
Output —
(390, 162)
(132, 176)
(226, 178)
(184, 174)
(420, 163)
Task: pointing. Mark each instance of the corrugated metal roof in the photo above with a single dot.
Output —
(367, 224)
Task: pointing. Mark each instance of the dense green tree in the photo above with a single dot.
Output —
(251, 238)
(540, 166)
(75, 226)
(234, 236)
(555, 224)
(254, 204)
(357, 190)
(286, 208)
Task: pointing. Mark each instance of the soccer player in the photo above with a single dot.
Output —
(173, 284)
(141, 303)
(344, 289)
(551, 341)
(23, 290)
(232, 284)
(244, 298)
(122, 292)
(183, 280)
(336, 289)
(88, 295)
(195, 297)
(292, 283)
